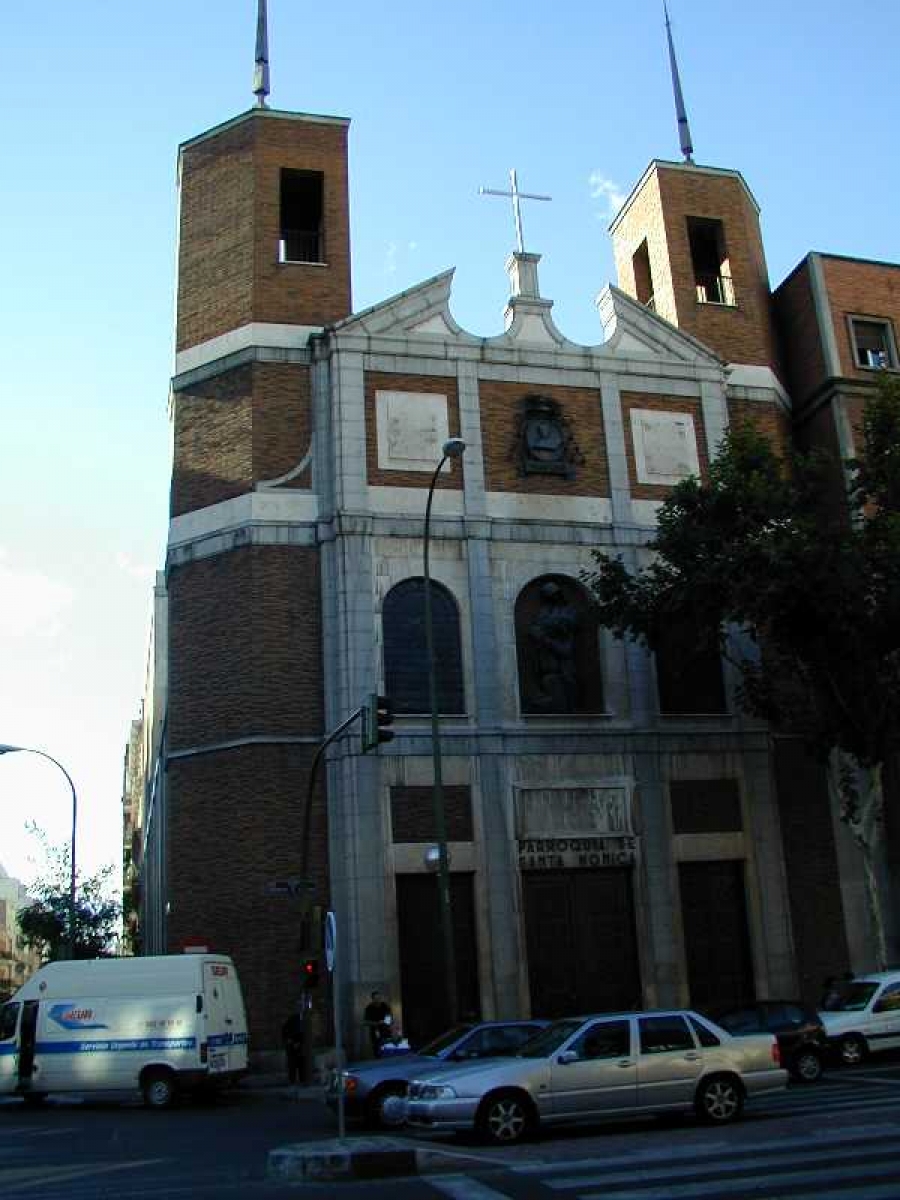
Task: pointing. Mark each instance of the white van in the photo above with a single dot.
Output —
(863, 1015)
(110, 1024)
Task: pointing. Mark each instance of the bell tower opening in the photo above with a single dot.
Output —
(709, 259)
(301, 237)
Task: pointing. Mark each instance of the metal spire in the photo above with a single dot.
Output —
(261, 70)
(684, 130)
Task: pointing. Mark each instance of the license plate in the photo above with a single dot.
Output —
(218, 1060)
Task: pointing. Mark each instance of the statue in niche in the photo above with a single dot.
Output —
(545, 444)
(551, 650)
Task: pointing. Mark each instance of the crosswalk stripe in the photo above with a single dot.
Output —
(858, 1135)
(724, 1166)
(461, 1187)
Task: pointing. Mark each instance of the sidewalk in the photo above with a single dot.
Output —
(275, 1082)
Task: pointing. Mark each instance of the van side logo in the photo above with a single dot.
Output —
(67, 1016)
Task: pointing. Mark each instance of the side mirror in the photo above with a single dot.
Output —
(567, 1056)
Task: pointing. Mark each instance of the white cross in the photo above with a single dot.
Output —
(515, 195)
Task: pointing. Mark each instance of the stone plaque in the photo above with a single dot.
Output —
(576, 811)
(665, 446)
(562, 854)
(412, 429)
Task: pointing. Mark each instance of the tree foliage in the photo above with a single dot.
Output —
(798, 587)
(44, 923)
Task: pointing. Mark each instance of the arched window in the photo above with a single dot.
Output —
(557, 648)
(405, 653)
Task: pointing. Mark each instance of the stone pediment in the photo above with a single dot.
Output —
(631, 329)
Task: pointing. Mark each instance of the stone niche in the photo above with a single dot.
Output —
(412, 429)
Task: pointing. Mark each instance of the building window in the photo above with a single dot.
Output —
(557, 648)
(873, 343)
(301, 235)
(709, 259)
(643, 276)
(405, 653)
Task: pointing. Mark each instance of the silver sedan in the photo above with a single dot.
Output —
(589, 1068)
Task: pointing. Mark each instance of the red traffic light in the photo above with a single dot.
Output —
(310, 972)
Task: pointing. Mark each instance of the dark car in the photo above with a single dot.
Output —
(800, 1033)
(370, 1088)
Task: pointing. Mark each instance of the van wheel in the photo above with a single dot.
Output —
(852, 1049)
(159, 1089)
(719, 1100)
(34, 1099)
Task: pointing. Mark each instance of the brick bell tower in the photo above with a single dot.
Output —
(687, 242)
(263, 264)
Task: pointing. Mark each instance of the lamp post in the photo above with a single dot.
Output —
(452, 448)
(43, 754)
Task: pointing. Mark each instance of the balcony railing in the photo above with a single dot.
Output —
(715, 289)
(300, 245)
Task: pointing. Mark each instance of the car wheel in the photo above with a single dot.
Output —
(159, 1089)
(505, 1118)
(719, 1100)
(34, 1099)
(852, 1049)
(807, 1066)
(384, 1111)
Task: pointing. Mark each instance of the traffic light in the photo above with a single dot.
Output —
(378, 712)
(310, 971)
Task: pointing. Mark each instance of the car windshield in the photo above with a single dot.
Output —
(543, 1044)
(851, 997)
(435, 1048)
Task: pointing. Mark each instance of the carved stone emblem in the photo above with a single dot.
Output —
(545, 442)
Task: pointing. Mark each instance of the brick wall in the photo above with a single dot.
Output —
(863, 289)
(245, 646)
(235, 823)
(228, 268)
(769, 419)
(412, 814)
(672, 404)
(800, 334)
(245, 661)
(380, 381)
(231, 431)
(500, 410)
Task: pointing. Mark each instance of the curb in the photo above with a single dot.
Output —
(360, 1158)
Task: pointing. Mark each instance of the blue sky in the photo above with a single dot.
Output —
(800, 98)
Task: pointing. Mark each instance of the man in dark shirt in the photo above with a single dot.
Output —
(292, 1039)
(378, 1018)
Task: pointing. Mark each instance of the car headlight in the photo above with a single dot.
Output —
(436, 1091)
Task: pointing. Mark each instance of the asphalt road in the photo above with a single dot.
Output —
(836, 1139)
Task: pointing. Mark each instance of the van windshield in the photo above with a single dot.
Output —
(853, 997)
(9, 1017)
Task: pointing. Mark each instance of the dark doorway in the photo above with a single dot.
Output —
(421, 954)
(582, 948)
(716, 937)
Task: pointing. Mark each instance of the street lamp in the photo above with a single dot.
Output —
(43, 754)
(452, 448)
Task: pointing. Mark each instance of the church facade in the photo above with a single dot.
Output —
(620, 834)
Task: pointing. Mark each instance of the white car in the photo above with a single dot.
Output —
(590, 1068)
(864, 1015)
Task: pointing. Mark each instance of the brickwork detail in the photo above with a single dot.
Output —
(630, 400)
(236, 429)
(863, 289)
(799, 329)
(769, 419)
(500, 416)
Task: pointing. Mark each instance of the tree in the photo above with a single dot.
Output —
(796, 580)
(44, 923)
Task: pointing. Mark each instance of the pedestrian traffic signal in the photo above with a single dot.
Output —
(310, 969)
(378, 712)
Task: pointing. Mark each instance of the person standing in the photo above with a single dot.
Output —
(378, 1018)
(292, 1040)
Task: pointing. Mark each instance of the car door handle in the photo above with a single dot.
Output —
(692, 1056)
(626, 1062)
